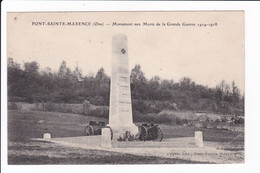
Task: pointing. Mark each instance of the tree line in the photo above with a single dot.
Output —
(32, 85)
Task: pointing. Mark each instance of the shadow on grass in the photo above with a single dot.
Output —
(44, 153)
(77, 159)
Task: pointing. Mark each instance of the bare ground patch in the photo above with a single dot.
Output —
(38, 152)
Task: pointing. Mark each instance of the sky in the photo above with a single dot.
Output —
(206, 54)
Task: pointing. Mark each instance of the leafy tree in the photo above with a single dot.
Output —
(31, 67)
(149, 95)
(77, 74)
(64, 71)
(138, 83)
(101, 74)
(235, 93)
(14, 73)
(13, 65)
(152, 91)
(102, 87)
(166, 89)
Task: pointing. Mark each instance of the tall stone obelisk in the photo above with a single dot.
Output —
(120, 108)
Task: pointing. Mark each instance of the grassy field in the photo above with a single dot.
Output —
(32, 124)
(24, 125)
(33, 153)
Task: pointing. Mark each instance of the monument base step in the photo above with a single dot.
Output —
(185, 142)
(94, 142)
(87, 142)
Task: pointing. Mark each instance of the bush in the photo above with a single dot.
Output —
(12, 106)
(164, 119)
(146, 107)
(140, 107)
(49, 106)
(158, 119)
(99, 112)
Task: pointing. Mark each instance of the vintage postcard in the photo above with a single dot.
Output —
(126, 87)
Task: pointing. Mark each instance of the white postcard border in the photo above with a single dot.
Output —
(252, 92)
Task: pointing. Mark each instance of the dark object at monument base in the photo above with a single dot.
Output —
(148, 132)
(95, 128)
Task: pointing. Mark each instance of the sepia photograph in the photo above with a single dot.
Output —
(136, 87)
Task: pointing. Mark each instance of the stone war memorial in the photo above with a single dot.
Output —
(120, 108)
(120, 127)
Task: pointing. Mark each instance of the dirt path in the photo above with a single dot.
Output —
(205, 154)
(39, 152)
(209, 153)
